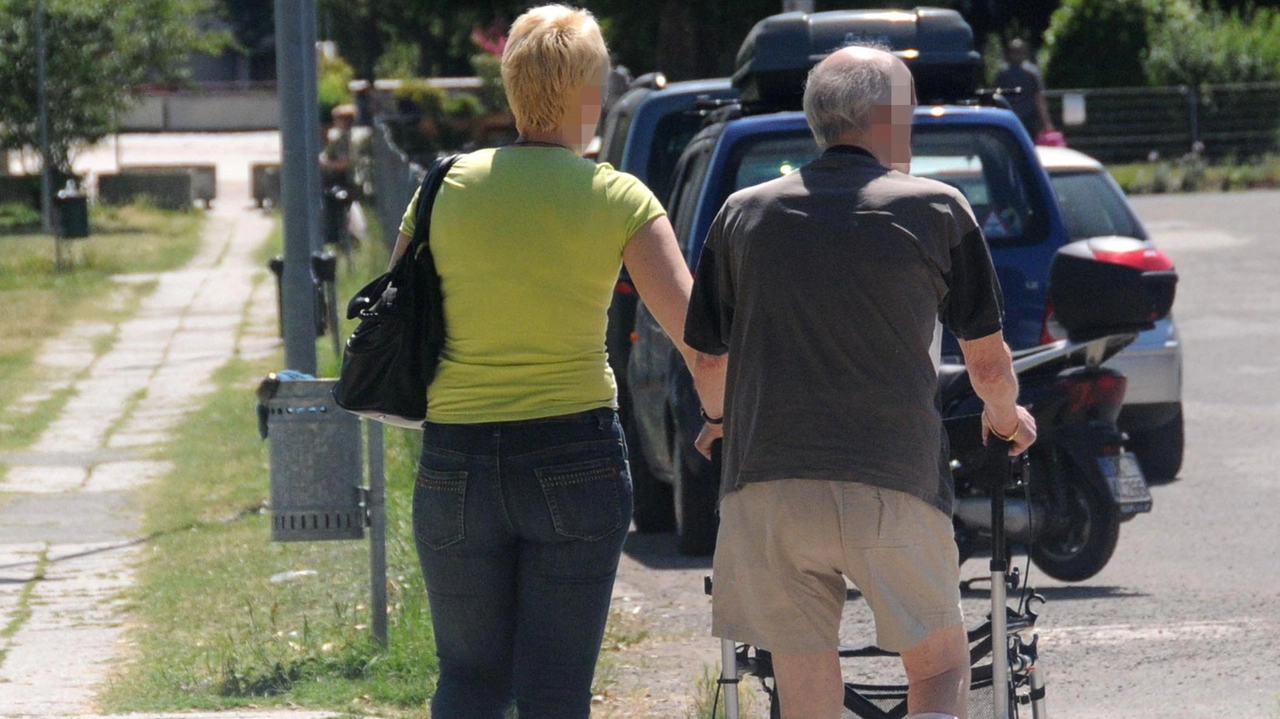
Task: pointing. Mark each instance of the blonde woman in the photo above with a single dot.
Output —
(523, 495)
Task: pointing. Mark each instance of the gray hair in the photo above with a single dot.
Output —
(840, 98)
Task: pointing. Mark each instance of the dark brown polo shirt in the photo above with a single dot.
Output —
(825, 287)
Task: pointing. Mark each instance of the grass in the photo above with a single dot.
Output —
(708, 700)
(1193, 174)
(212, 630)
(23, 611)
(42, 300)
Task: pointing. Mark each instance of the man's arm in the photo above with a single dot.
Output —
(708, 378)
(991, 372)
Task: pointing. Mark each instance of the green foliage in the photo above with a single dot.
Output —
(335, 79)
(399, 61)
(16, 215)
(1103, 43)
(445, 121)
(100, 54)
(489, 69)
(1214, 46)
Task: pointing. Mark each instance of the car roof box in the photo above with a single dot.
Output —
(937, 44)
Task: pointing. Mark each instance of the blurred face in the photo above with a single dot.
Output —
(583, 115)
(891, 129)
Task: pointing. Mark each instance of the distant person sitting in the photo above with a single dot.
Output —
(337, 161)
(1029, 105)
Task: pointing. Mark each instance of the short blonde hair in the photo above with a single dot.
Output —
(552, 52)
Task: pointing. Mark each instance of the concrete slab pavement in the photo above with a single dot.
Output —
(68, 534)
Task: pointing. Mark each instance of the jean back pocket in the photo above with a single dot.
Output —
(439, 507)
(584, 498)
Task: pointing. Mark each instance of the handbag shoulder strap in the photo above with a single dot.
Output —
(426, 198)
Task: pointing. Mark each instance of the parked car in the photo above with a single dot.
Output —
(1093, 205)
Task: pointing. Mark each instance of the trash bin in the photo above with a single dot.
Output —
(316, 464)
(72, 213)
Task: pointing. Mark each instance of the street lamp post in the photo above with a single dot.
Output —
(299, 180)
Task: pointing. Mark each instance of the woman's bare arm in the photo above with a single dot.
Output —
(660, 275)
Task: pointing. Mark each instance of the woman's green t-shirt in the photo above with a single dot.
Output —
(528, 242)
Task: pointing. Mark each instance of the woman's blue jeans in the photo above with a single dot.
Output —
(519, 528)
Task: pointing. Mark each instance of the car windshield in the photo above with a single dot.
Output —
(1093, 205)
(984, 163)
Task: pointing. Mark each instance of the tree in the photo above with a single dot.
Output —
(100, 55)
(1104, 43)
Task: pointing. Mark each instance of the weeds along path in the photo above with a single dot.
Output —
(71, 514)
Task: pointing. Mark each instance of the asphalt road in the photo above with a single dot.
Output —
(1184, 623)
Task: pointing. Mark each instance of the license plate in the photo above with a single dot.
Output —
(1128, 487)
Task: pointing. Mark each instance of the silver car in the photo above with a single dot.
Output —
(1093, 205)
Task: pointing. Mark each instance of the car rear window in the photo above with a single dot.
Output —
(1093, 206)
(670, 137)
(986, 164)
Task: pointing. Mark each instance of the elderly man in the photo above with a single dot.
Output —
(825, 288)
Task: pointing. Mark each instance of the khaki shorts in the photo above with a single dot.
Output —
(786, 546)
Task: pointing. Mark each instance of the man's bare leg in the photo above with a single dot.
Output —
(938, 673)
(809, 685)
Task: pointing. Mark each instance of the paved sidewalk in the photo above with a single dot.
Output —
(68, 530)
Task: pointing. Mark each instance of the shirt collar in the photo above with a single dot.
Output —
(849, 150)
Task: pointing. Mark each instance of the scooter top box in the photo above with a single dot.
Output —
(1108, 285)
(936, 44)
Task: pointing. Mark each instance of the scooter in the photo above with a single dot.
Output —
(1082, 482)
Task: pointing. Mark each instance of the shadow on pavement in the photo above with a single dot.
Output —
(658, 551)
(979, 587)
(1085, 592)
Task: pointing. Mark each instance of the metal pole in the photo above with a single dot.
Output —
(297, 292)
(999, 601)
(729, 678)
(377, 535)
(42, 103)
(312, 131)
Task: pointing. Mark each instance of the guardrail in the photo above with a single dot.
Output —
(1129, 124)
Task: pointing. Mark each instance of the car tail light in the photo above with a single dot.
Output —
(624, 288)
(1098, 395)
(1050, 330)
(1145, 259)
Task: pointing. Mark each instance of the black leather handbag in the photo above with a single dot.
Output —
(391, 357)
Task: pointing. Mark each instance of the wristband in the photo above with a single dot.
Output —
(709, 419)
(991, 428)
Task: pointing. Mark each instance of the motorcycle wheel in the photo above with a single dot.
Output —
(1083, 544)
(653, 511)
(695, 492)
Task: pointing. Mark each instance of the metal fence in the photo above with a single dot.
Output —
(395, 179)
(1129, 124)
